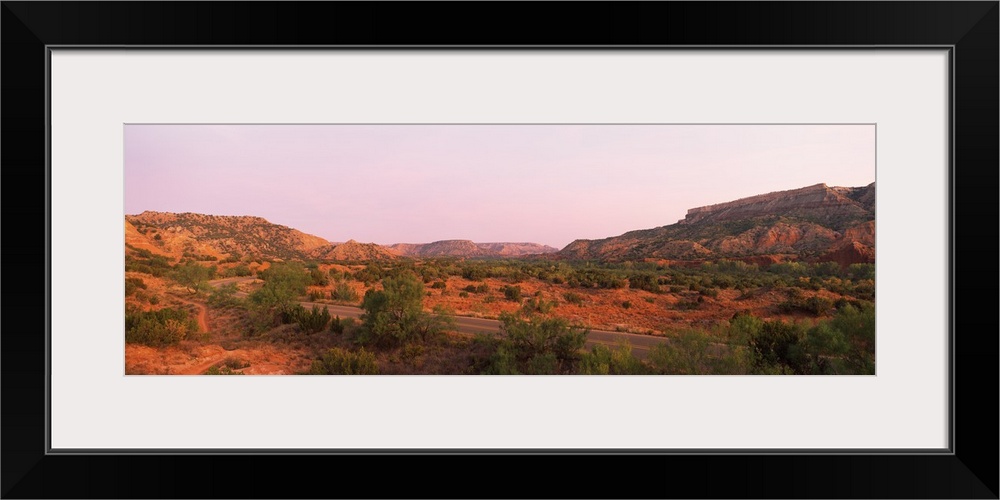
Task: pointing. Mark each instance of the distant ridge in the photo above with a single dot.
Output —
(221, 236)
(467, 248)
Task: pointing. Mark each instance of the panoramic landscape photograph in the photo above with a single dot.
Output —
(499, 249)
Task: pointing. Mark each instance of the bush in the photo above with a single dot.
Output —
(318, 278)
(192, 275)
(237, 271)
(222, 370)
(775, 349)
(861, 271)
(395, 315)
(645, 282)
(815, 305)
(604, 361)
(439, 285)
(692, 353)
(339, 361)
(313, 321)
(133, 284)
(534, 346)
(283, 282)
(538, 305)
(512, 293)
(573, 298)
(344, 293)
(224, 296)
(339, 325)
(158, 328)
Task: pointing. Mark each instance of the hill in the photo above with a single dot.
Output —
(816, 223)
(220, 236)
(467, 248)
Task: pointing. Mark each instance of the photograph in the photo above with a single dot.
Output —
(508, 249)
(283, 189)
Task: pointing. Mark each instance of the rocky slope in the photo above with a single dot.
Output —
(352, 250)
(220, 236)
(466, 248)
(815, 222)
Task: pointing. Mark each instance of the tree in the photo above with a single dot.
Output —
(192, 275)
(395, 314)
(535, 345)
(282, 284)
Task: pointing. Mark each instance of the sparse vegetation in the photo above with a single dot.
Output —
(134, 284)
(344, 293)
(157, 328)
(338, 361)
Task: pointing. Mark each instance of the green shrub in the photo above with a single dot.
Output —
(441, 285)
(158, 328)
(311, 321)
(395, 315)
(776, 349)
(339, 325)
(237, 271)
(344, 293)
(645, 282)
(224, 296)
(222, 370)
(318, 278)
(512, 293)
(861, 271)
(538, 305)
(604, 361)
(815, 305)
(573, 298)
(133, 284)
(339, 361)
(533, 345)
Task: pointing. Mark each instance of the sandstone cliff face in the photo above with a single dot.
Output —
(810, 223)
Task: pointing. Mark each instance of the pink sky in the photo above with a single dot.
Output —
(548, 184)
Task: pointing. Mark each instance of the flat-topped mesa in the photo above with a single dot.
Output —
(818, 200)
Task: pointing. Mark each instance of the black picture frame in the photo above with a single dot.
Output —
(970, 470)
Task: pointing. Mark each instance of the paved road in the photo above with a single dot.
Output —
(641, 344)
